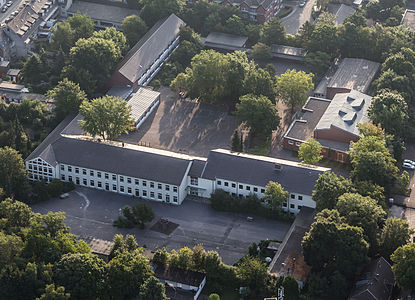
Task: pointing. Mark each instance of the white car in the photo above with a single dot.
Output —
(408, 166)
(301, 4)
(64, 196)
(408, 161)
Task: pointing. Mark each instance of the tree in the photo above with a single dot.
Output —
(293, 86)
(161, 256)
(106, 117)
(127, 272)
(389, 109)
(324, 38)
(63, 37)
(389, 79)
(236, 142)
(395, 233)
(14, 216)
(11, 246)
(154, 10)
(67, 97)
(403, 268)
(235, 25)
(52, 293)
(114, 35)
(318, 62)
(291, 288)
(13, 176)
(134, 28)
(259, 82)
(82, 275)
(153, 289)
(32, 69)
(261, 52)
(253, 273)
(182, 259)
(273, 32)
(332, 242)
(363, 212)
(185, 52)
(275, 195)
(310, 152)
(258, 114)
(214, 297)
(82, 77)
(83, 27)
(136, 215)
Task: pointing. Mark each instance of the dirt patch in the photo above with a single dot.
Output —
(164, 226)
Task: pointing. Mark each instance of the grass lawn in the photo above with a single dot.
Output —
(261, 148)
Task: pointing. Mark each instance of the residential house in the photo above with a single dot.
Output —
(14, 74)
(11, 92)
(333, 123)
(145, 59)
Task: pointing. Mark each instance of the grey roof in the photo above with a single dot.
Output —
(355, 74)
(197, 168)
(73, 127)
(340, 11)
(408, 19)
(11, 86)
(183, 276)
(122, 92)
(288, 50)
(303, 126)
(259, 171)
(119, 160)
(141, 101)
(150, 46)
(109, 13)
(345, 111)
(376, 282)
(334, 145)
(220, 38)
(13, 72)
(4, 63)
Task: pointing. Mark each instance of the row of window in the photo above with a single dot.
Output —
(241, 186)
(114, 178)
(290, 142)
(292, 206)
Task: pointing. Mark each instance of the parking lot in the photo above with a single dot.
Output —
(91, 213)
(185, 126)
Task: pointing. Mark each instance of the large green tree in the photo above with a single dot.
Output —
(253, 273)
(154, 10)
(261, 52)
(134, 28)
(273, 32)
(258, 113)
(114, 35)
(63, 37)
(395, 233)
(310, 152)
(106, 117)
(153, 289)
(67, 97)
(13, 176)
(403, 267)
(259, 82)
(32, 69)
(82, 26)
(52, 293)
(292, 87)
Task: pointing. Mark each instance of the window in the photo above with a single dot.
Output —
(69, 169)
(241, 187)
(129, 190)
(298, 144)
(114, 187)
(114, 177)
(77, 180)
(226, 183)
(121, 179)
(144, 193)
(137, 192)
(233, 185)
(255, 189)
(159, 196)
(128, 180)
(77, 170)
(30, 166)
(63, 177)
(194, 181)
(84, 171)
(136, 182)
(84, 181)
(151, 194)
(262, 190)
(284, 204)
(175, 199)
(300, 207)
(152, 184)
(219, 182)
(167, 187)
(159, 186)
(292, 196)
(300, 197)
(290, 142)
(248, 188)
(292, 206)
(91, 182)
(107, 186)
(233, 194)
(175, 189)
(168, 198)
(91, 173)
(35, 168)
(70, 178)
(144, 183)
(106, 176)
(62, 167)
(99, 183)
(99, 174)
(122, 188)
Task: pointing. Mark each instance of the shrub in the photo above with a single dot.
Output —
(133, 216)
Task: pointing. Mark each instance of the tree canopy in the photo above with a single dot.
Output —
(134, 28)
(310, 152)
(403, 267)
(275, 195)
(13, 176)
(395, 233)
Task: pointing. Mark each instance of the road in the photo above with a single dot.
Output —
(11, 9)
(298, 16)
(91, 212)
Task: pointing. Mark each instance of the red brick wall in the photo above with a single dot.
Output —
(335, 134)
(118, 79)
(333, 91)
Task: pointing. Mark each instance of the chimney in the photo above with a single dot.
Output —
(277, 166)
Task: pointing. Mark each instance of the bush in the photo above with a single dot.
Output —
(133, 216)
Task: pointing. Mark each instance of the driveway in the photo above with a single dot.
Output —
(91, 212)
(298, 16)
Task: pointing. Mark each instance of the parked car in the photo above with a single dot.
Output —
(9, 3)
(4, 9)
(301, 4)
(409, 162)
(249, 219)
(408, 166)
(64, 196)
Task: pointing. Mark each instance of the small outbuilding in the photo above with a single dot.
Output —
(142, 103)
(225, 41)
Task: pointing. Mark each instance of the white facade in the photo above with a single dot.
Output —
(39, 169)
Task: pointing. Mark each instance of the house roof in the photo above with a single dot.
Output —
(13, 72)
(340, 11)
(109, 13)
(177, 275)
(99, 246)
(408, 19)
(345, 111)
(259, 170)
(122, 92)
(142, 100)
(11, 86)
(150, 46)
(226, 39)
(119, 160)
(376, 282)
(197, 168)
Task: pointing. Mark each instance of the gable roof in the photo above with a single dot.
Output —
(259, 170)
(149, 47)
(345, 111)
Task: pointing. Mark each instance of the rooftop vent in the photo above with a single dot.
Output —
(277, 166)
(350, 99)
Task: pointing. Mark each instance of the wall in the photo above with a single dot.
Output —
(331, 91)
(335, 134)
(40, 174)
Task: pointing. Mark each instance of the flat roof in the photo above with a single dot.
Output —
(288, 50)
(109, 13)
(122, 92)
(408, 19)
(221, 38)
(303, 127)
(99, 246)
(11, 86)
(177, 275)
(141, 101)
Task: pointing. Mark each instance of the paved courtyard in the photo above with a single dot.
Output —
(91, 213)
